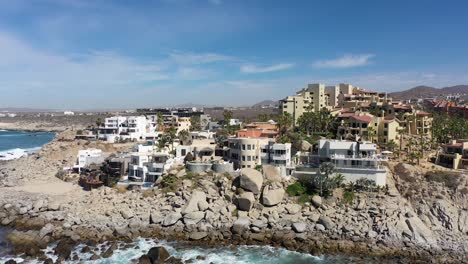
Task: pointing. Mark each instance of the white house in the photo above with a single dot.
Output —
(87, 157)
(277, 154)
(68, 113)
(131, 127)
(354, 160)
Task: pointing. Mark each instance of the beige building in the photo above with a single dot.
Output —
(318, 96)
(417, 123)
(364, 126)
(313, 98)
(245, 152)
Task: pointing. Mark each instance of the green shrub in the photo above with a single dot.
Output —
(348, 197)
(304, 198)
(296, 189)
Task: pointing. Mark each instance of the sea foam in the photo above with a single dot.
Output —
(17, 153)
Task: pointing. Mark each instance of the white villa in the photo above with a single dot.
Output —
(87, 157)
(128, 127)
(354, 160)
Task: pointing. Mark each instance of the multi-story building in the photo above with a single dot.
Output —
(251, 152)
(87, 157)
(316, 97)
(311, 99)
(127, 127)
(416, 123)
(354, 160)
(245, 152)
(145, 167)
(276, 154)
(454, 155)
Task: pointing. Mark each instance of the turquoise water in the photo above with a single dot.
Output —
(14, 144)
(217, 255)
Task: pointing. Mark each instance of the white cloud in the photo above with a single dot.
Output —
(198, 58)
(190, 73)
(346, 61)
(259, 69)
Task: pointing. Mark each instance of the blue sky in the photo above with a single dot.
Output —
(123, 54)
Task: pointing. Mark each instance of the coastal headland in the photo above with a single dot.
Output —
(211, 209)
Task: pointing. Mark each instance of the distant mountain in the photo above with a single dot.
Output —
(266, 104)
(427, 91)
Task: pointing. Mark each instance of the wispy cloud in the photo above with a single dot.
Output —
(183, 57)
(346, 61)
(250, 68)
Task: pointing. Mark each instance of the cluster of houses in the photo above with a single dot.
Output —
(364, 119)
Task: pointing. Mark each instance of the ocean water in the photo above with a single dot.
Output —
(221, 255)
(15, 144)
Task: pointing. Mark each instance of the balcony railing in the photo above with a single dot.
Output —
(360, 157)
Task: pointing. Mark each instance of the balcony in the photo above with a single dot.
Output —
(358, 157)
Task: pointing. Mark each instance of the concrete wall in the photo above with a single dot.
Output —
(198, 167)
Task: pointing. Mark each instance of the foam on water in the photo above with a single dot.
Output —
(16, 144)
(233, 254)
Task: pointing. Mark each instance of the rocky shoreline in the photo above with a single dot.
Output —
(212, 209)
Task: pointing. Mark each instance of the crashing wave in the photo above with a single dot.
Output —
(17, 153)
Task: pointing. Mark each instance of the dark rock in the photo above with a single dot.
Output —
(110, 251)
(158, 255)
(10, 261)
(48, 261)
(144, 260)
(64, 248)
(94, 257)
(85, 249)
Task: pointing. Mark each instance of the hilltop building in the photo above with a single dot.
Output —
(354, 160)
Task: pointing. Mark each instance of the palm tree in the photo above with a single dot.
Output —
(285, 121)
(227, 115)
(159, 120)
(371, 133)
(195, 124)
(184, 136)
(171, 134)
(98, 124)
(391, 145)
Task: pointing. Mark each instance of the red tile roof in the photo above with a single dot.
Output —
(364, 118)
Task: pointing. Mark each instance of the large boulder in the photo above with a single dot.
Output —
(251, 180)
(158, 255)
(326, 222)
(196, 198)
(172, 218)
(299, 227)
(272, 197)
(197, 235)
(46, 230)
(193, 218)
(316, 201)
(293, 208)
(64, 248)
(271, 173)
(245, 201)
(241, 225)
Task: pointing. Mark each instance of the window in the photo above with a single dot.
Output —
(243, 146)
(249, 158)
(243, 158)
(253, 147)
(249, 147)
